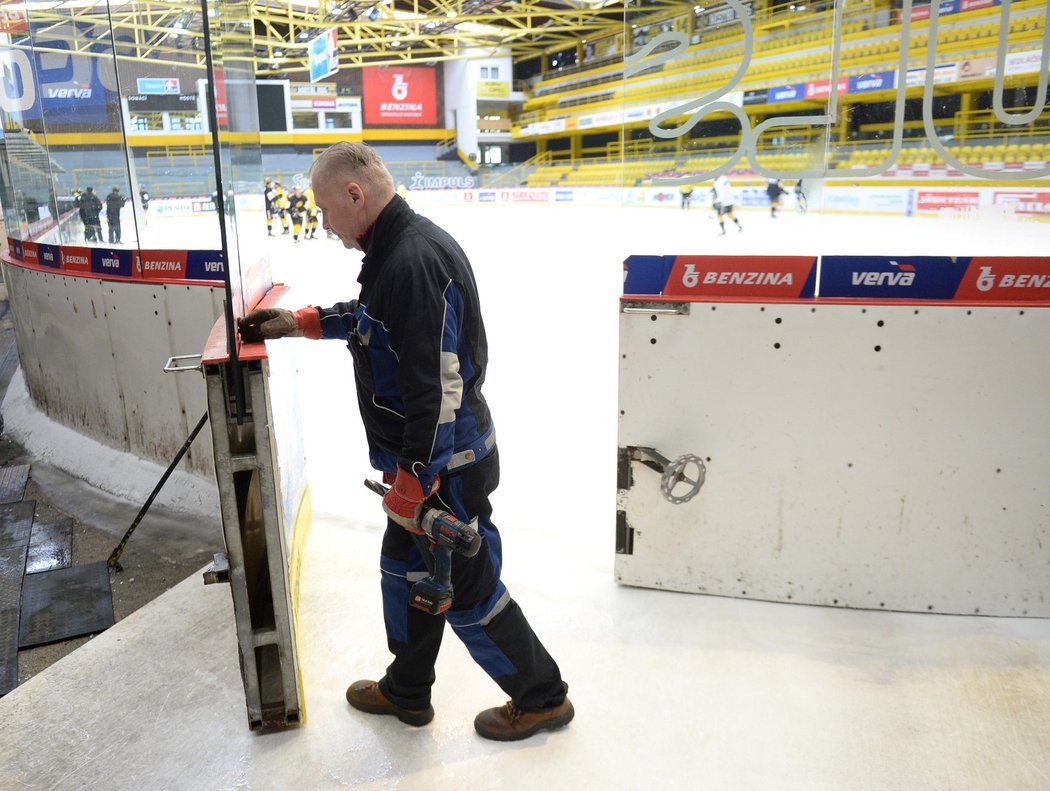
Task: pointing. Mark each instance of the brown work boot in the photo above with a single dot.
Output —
(366, 696)
(508, 723)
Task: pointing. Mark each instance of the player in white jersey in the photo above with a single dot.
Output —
(723, 198)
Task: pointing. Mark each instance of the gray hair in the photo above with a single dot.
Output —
(356, 160)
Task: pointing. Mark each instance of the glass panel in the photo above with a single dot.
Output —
(951, 126)
(107, 135)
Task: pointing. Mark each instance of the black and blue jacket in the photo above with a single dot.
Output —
(419, 348)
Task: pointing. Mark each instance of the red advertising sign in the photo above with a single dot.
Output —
(1024, 202)
(739, 276)
(76, 259)
(162, 264)
(933, 201)
(1006, 279)
(30, 254)
(400, 96)
(819, 89)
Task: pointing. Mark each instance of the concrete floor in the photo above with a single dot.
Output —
(671, 690)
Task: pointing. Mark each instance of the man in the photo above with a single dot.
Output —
(774, 190)
(420, 352)
(270, 197)
(311, 214)
(296, 210)
(723, 199)
(114, 203)
(90, 209)
(800, 197)
(687, 195)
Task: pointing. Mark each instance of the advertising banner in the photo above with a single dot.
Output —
(934, 200)
(1006, 279)
(878, 81)
(159, 85)
(324, 55)
(975, 68)
(76, 259)
(400, 96)
(1024, 201)
(116, 263)
(747, 276)
(162, 264)
(785, 93)
(820, 89)
(879, 277)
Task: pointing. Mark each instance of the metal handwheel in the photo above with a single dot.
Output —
(680, 471)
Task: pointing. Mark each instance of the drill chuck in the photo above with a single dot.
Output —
(446, 530)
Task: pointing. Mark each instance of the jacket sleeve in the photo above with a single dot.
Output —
(337, 322)
(425, 324)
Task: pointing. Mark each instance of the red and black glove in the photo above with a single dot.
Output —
(404, 502)
(271, 323)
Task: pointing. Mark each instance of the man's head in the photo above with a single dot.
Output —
(116, 189)
(351, 187)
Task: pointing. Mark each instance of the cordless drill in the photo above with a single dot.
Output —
(446, 535)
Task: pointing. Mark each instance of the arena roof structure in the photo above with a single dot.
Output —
(370, 32)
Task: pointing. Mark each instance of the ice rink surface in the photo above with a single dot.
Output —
(671, 690)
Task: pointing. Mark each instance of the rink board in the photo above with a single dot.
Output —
(885, 456)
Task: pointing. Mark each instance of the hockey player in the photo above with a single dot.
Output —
(296, 210)
(311, 214)
(774, 190)
(281, 204)
(723, 198)
(800, 197)
(270, 196)
(687, 195)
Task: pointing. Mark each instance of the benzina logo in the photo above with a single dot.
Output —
(691, 278)
(987, 280)
(905, 277)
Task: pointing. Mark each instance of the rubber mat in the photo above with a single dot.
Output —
(16, 522)
(50, 546)
(65, 603)
(13, 482)
(12, 565)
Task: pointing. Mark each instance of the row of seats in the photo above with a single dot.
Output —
(969, 154)
(643, 171)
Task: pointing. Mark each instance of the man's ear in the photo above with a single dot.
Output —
(354, 190)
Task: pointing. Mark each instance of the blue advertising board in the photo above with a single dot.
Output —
(882, 277)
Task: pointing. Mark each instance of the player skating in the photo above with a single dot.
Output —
(687, 195)
(800, 197)
(270, 196)
(774, 190)
(311, 214)
(723, 198)
(296, 210)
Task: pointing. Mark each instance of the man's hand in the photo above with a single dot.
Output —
(404, 502)
(267, 324)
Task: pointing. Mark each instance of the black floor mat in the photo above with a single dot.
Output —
(13, 482)
(16, 522)
(65, 603)
(12, 564)
(50, 546)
